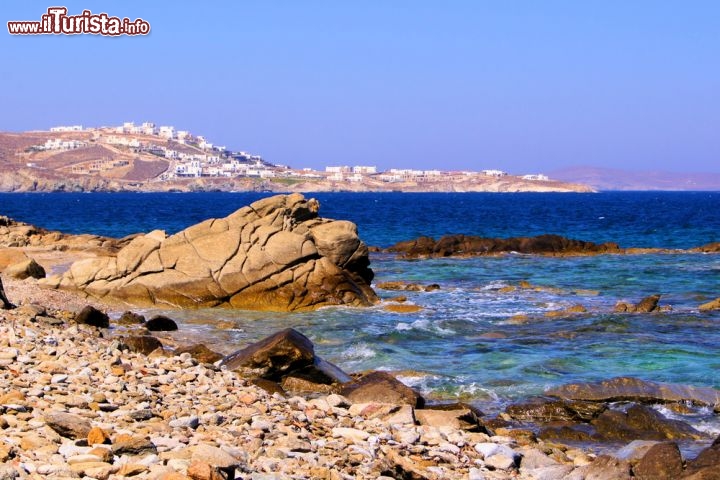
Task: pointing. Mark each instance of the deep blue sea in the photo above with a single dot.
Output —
(467, 342)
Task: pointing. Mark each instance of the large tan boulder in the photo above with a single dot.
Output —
(25, 269)
(275, 254)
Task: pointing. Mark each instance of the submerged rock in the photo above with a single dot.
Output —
(275, 254)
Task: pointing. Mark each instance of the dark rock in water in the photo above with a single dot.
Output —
(130, 318)
(68, 425)
(661, 462)
(161, 323)
(201, 353)
(636, 390)
(545, 411)
(646, 305)
(465, 245)
(407, 287)
(381, 387)
(642, 423)
(706, 464)
(144, 344)
(274, 356)
(92, 316)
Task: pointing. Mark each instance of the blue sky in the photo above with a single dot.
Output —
(524, 86)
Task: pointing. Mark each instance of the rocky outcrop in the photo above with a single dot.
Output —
(381, 387)
(636, 390)
(273, 356)
(467, 245)
(710, 306)
(646, 305)
(15, 235)
(275, 254)
(286, 358)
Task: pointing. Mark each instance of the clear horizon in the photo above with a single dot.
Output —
(521, 87)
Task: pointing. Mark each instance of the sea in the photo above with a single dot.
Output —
(473, 340)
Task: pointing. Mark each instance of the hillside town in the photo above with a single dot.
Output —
(194, 156)
(147, 156)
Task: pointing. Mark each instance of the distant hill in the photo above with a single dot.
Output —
(616, 179)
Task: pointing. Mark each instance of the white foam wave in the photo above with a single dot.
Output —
(359, 351)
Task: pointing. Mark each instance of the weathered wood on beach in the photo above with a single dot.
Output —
(6, 305)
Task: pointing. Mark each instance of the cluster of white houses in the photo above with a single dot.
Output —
(60, 144)
(216, 161)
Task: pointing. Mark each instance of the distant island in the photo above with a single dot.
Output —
(627, 180)
(150, 158)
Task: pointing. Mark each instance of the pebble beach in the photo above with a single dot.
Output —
(74, 404)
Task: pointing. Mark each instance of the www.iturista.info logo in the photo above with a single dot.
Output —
(57, 22)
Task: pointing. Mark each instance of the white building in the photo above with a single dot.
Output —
(366, 170)
(494, 173)
(537, 177)
(128, 142)
(342, 169)
(189, 169)
(167, 132)
(69, 128)
(390, 178)
(59, 144)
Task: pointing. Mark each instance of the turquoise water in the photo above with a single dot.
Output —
(467, 342)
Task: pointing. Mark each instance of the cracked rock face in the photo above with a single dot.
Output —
(275, 254)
